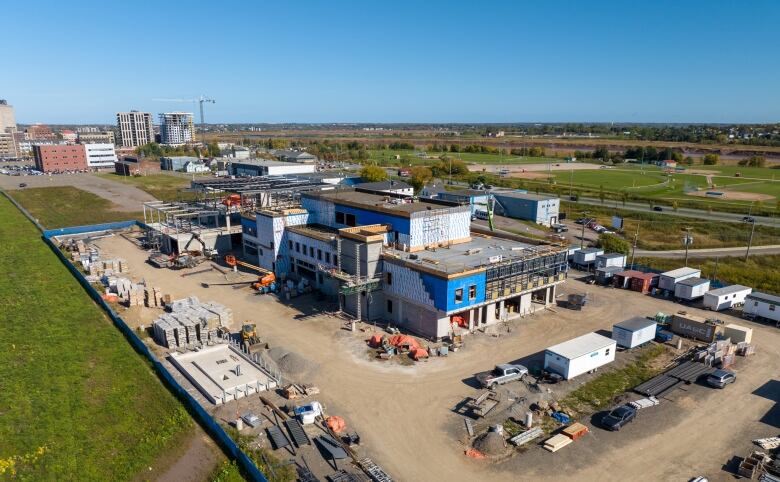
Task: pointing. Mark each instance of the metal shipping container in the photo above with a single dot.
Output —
(694, 327)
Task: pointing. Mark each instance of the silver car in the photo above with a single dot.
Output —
(721, 378)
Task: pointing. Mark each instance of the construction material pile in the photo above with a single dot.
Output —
(720, 353)
(154, 297)
(190, 322)
(290, 363)
(490, 443)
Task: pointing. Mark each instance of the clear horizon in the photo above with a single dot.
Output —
(663, 62)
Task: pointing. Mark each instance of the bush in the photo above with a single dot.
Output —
(614, 244)
(373, 174)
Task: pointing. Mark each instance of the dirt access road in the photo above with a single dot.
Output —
(125, 197)
(404, 413)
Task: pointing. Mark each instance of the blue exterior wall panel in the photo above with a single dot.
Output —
(443, 291)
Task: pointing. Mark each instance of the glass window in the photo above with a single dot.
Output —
(297, 247)
(389, 306)
(319, 254)
(339, 217)
(473, 292)
(389, 278)
(459, 295)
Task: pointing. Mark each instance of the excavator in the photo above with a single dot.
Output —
(186, 258)
(266, 279)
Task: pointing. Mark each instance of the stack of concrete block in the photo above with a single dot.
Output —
(190, 321)
(154, 297)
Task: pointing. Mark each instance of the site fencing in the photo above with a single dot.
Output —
(219, 435)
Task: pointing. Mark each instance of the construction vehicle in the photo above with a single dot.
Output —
(209, 253)
(267, 279)
(249, 334)
(232, 200)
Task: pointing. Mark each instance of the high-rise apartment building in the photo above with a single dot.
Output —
(176, 128)
(135, 128)
(8, 147)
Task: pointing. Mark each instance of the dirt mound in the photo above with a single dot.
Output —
(732, 195)
(490, 443)
(289, 362)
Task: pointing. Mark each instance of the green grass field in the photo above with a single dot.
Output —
(387, 156)
(660, 232)
(76, 402)
(762, 273)
(57, 207)
(163, 187)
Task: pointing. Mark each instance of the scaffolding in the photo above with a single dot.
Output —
(260, 192)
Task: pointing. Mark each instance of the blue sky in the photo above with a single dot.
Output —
(454, 61)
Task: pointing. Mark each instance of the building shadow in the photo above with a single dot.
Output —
(771, 391)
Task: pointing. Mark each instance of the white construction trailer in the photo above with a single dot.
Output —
(762, 305)
(634, 332)
(580, 355)
(667, 280)
(727, 297)
(691, 288)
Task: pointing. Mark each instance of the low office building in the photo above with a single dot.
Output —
(295, 156)
(264, 167)
(412, 263)
(100, 156)
(478, 200)
(726, 297)
(60, 158)
(195, 167)
(136, 166)
(580, 355)
(538, 208)
(176, 163)
(392, 187)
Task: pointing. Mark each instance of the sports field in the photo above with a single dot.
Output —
(76, 402)
(388, 156)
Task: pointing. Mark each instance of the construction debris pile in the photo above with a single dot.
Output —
(722, 353)
(397, 344)
(190, 323)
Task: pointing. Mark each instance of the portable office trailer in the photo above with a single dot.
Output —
(691, 288)
(634, 332)
(580, 355)
(608, 260)
(725, 298)
(762, 305)
(670, 278)
(738, 333)
(695, 327)
(587, 256)
(644, 282)
(571, 251)
(604, 275)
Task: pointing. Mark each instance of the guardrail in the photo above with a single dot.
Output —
(196, 410)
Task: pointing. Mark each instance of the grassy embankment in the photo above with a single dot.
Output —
(664, 232)
(77, 402)
(762, 273)
(57, 207)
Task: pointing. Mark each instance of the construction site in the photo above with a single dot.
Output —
(338, 326)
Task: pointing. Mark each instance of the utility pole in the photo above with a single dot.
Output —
(633, 249)
(750, 240)
(582, 234)
(715, 274)
(687, 241)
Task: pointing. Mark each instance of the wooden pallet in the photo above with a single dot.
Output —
(374, 471)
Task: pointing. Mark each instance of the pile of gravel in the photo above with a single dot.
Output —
(491, 443)
(289, 362)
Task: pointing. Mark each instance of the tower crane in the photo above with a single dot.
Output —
(200, 101)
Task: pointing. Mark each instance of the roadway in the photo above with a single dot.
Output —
(681, 212)
(710, 252)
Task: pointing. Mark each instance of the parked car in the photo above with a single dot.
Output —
(748, 219)
(502, 374)
(721, 378)
(658, 208)
(22, 184)
(618, 417)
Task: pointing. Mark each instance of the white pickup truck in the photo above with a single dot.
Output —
(502, 374)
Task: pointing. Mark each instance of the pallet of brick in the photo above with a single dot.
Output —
(184, 303)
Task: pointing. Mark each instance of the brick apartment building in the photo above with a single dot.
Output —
(60, 158)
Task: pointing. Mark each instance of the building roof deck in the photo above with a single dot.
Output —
(392, 204)
(257, 184)
(316, 231)
(479, 253)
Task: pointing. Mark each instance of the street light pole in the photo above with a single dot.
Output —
(582, 235)
(687, 241)
(750, 240)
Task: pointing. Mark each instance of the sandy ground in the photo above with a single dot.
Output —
(199, 457)
(526, 168)
(405, 413)
(735, 195)
(125, 197)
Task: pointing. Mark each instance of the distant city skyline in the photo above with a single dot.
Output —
(434, 62)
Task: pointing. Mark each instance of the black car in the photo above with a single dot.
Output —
(748, 219)
(618, 417)
(658, 208)
(22, 184)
